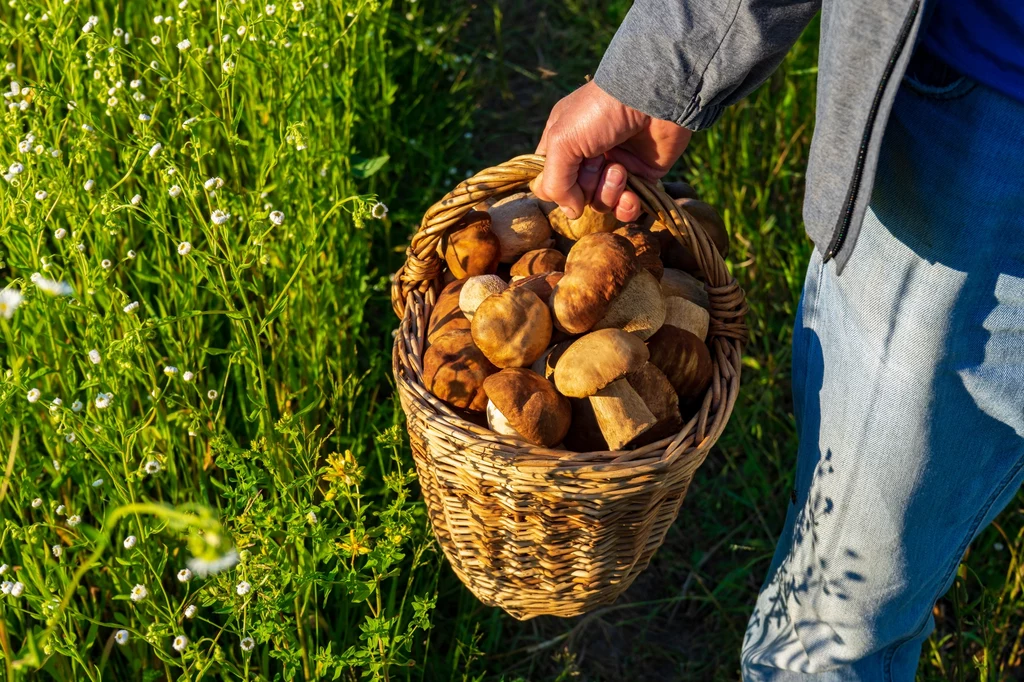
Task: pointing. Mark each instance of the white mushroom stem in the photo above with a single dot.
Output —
(639, 308)
(621, 413)
(498, 423)
(687, 315)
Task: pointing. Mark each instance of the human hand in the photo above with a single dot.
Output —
(590, 140)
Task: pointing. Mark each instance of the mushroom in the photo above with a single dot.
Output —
(595, 367)
(520, 226)
(647, 247)
(476, 289)
(673, 253)
(538, 262)
(677, 189)
(657, 392)
(472, 248)
(447, 316)
(542, 285)
(683, 284)
(591, 222)
(545, 364)
(684, 359)
(597, 270)
(512, 328)
(639, 309)
(524, 404)
(687, 315)
(454, 370)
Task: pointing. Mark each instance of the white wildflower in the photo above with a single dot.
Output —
(311, 518)
(89, 184)
(298, 6)
(277, 217)
(211, 394)
(152, 467)
(103, 400)
(9, 302)
(59, 511)
(37, 503)
(77, 406)
(106, 263)
(57, 550)
(17, 589)
(55, 404)
(174, 191)
(184, 248)
(155, 149)
(129, 542)
(60, 233)
(51, 287)
(33, 395)
(205, 567)
(74, 520)
(243, 588)
(41, 195)
(94, 356)
(16, 168)
(247, 644)
(180, 643)
(121, 637)
(97, 483)
(170, 370)
(144, 117)
(158, 19)
(131, 307)
(184, 575)
(219, 217)
(5, 587)
(136, 200)
(191, 610)
(240, 30)
(184, 44)
(3, 568)
(213, 183)
(379, 211)
(139, 592)
(70, 437)
(188, 376)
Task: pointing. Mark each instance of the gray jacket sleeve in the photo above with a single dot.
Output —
(686, 60)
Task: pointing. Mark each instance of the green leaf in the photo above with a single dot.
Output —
(364, 168)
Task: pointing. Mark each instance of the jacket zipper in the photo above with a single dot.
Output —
(858, 175)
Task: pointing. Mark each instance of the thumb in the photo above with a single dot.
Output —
(558, 181)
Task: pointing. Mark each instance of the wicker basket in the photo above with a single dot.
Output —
(538, 531)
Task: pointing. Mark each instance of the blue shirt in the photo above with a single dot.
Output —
(983, 39)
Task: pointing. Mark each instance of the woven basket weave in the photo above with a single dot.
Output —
(538, 531)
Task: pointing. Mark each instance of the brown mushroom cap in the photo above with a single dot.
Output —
(677, 189)
(520, 226)
(454, 370)
(596, 271)
(658, 394)
(596, 360)
(476, 289)
(538, 262)
(542, 284)
(710, 220)
(447, 316)
(512, 328)
(530, 404)
(472, 249)
(683, 284)
(591, 222)
(684, 359)
(647, 247)
(639, 309)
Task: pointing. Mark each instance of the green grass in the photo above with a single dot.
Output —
(290, 325)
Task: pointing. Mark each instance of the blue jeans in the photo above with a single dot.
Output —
(908, 386)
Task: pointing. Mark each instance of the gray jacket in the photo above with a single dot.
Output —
(686, 60)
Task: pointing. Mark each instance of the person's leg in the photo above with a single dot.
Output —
(909, 394)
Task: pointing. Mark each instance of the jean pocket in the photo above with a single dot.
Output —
(932, 78)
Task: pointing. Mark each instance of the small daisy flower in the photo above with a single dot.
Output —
(219, 217)
(41, 195)
(129, 542)
(17, 589)
(131, 307)
(180, 643)
(16, 168)
(174, 191)
(121, 637)
(277, 217)
(170, 370)
(227, 66)
(155, 40)
(60, 233)
(97, 483)
(5, 587)
(184, 575)
(152, 467)
(211, 394)
(59, 511)
(3, 568)
(240, 30)
(70, 437)
(298, 6)
(243, 588)
(33, 395)
(155, 149)
(136, 200)
(184, 45)
(57, 550)
(106, 263)
(188, 376)
(213, 183)
(89, 184)
(139, 592)
(37, 503)
(103, 400)
(94, 356)
(80, 248)
(191, 610)
(77, 406)
(311, 518)
(56, 404)
(74, 520)
(379, 211)
(247, 644)
(9, 302)
(145, 117)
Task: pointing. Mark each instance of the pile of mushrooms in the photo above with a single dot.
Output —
(583, 334)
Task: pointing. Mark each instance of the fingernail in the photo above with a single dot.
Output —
(591, 166)
(569, 212)
(626, 204)
(615, 177)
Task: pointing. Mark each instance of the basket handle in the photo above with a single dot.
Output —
(422, 269)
